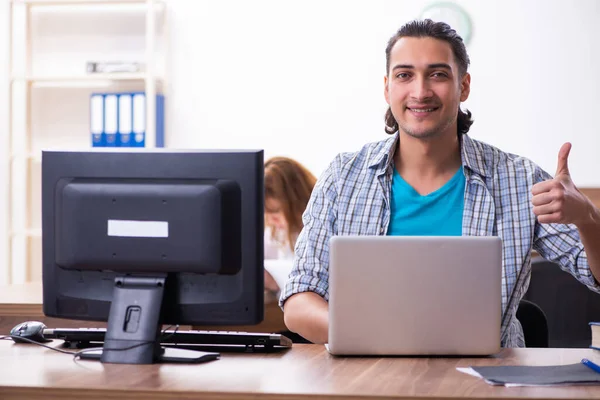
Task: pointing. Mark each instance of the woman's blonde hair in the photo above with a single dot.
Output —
(290, 183)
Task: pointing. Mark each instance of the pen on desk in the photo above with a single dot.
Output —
(591, 365)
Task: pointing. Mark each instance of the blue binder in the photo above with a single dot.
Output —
(97, 120)
(139, 120)
(111, 119)
(160, 120)
(125, 134)
(119, 119)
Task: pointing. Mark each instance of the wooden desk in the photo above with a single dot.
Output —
(305, 371)
(20, 303)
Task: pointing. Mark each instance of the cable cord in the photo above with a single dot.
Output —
(77, 354)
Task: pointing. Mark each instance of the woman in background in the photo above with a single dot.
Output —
(288, 186)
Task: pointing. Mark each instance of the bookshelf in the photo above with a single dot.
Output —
(89, 78)
(49, 90)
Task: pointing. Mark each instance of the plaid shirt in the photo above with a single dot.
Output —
(352, 197)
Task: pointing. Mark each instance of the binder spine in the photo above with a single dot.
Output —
(125, 119)
(111, 119)
(139, 120)
(160, 120)
(97, 120)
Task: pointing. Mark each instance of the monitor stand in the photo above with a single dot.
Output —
(169, 355)
(133, 330)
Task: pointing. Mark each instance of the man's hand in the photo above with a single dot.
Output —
(558, 200)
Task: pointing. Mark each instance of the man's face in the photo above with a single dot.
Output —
(424, 88)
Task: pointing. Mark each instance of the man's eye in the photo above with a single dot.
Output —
(402, 75)
(439, 75)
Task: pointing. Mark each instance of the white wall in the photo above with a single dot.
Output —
(304, 78)
(3, 139)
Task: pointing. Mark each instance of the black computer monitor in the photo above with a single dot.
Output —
(145, 238)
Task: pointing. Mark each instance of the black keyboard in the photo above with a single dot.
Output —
(79, 337)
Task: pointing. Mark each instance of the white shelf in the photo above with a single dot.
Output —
(91, 77)
(86, 81)
(27, 156)
(121, 76)
(91, 6)
(27, 233)
(62, 122)
(51, 3)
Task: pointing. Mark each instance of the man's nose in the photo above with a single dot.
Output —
(421, 89)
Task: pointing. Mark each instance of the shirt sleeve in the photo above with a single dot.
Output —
(310, 272)
(561, 243)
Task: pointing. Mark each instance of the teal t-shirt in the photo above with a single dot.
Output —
(436, 214)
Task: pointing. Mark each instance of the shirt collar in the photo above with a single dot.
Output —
(382, 159)
(471, 155)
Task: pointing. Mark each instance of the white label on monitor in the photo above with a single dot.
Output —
(149, 229)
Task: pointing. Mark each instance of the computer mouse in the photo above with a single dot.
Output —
(32, 330)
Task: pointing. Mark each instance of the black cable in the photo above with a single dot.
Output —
(34, 342)
(80, 352)
(170, 334)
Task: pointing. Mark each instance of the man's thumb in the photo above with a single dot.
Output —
(563, 155)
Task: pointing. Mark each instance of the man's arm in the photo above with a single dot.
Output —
(304, 298)
(307, 314)
(557, 200)
(590, 237)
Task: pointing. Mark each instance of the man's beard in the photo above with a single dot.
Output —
(429, 133)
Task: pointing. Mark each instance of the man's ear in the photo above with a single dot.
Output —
(465, 87)
(386, 92)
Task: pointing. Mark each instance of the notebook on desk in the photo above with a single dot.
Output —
(395, 295)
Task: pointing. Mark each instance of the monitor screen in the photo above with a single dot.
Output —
(153, 237)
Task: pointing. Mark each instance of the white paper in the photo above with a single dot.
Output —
(472, 372)
(469, 371)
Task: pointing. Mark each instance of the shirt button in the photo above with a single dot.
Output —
(381, 231)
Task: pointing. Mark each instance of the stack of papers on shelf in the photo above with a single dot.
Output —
(552, 375)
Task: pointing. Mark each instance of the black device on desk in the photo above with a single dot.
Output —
(210, 340)
(145, 238)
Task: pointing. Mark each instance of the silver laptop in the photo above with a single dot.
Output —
(405, 295)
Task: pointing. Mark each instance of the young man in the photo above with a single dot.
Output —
(431, 178)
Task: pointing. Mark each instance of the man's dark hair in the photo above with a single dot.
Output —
(440, 31)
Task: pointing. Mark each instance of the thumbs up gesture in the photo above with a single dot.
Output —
(558, 200)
